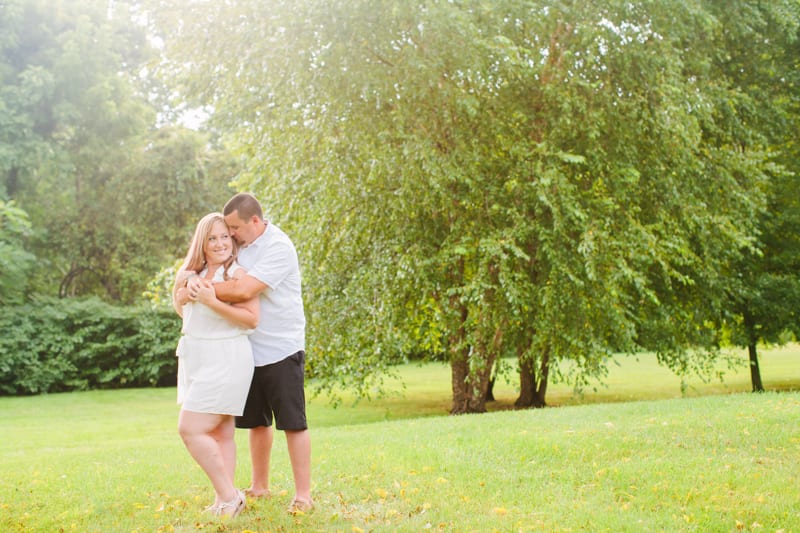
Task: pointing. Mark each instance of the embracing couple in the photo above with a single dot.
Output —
(241, 356)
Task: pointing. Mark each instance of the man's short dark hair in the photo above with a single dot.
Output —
(245, 205)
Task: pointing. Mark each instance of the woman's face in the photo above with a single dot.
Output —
(218, 246)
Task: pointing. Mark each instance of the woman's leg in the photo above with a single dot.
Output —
(196, 430)
(224, 435)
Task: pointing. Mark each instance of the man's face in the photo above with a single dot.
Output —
(244, 231)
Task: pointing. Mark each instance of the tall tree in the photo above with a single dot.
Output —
(762, 62)
(15, 261)
(111, 198)
(66, 91)
(479, 180)
(70, 111)
(171, 181)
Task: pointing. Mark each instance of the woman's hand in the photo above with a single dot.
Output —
(193, 285)
(205, 292)
(182, 296)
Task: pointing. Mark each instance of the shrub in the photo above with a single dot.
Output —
(69, 344)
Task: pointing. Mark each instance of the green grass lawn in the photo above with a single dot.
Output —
(636, 456)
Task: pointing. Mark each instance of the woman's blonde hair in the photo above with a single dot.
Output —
(195, 260)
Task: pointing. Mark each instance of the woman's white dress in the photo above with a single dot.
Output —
(215, 360)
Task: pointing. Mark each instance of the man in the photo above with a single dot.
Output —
(277, 388)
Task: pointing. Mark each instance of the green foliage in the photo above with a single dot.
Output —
(67, 95)
(159, 288)
(69, 112)
(763, 52)
(68, 344)
(15, 261)
(111, 199)
(178, 176)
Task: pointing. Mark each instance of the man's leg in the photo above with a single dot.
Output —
(260, 449)
(299, 444)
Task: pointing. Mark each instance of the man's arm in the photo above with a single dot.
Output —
(239, 290)
(241, 314)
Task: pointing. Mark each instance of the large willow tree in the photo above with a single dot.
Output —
(475, 180)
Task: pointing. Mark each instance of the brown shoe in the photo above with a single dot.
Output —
(257, 495)
(300, 507)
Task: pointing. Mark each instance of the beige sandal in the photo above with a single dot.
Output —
(232, 508)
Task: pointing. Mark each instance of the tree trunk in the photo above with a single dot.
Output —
(469, 394)
(459, 371)
(527, 383)
(498, 339)
(469, 389)
(12, 182)
(541, 386)
(472, 368)
(532, 392)
(755, 371)
(459, 366)
(490, 388)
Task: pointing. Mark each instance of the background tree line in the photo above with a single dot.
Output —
(99, 191)
(551, 182)
(94, 193)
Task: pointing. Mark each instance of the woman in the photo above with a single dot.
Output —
(215, 360)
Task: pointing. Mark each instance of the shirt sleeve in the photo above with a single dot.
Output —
(274, 264)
